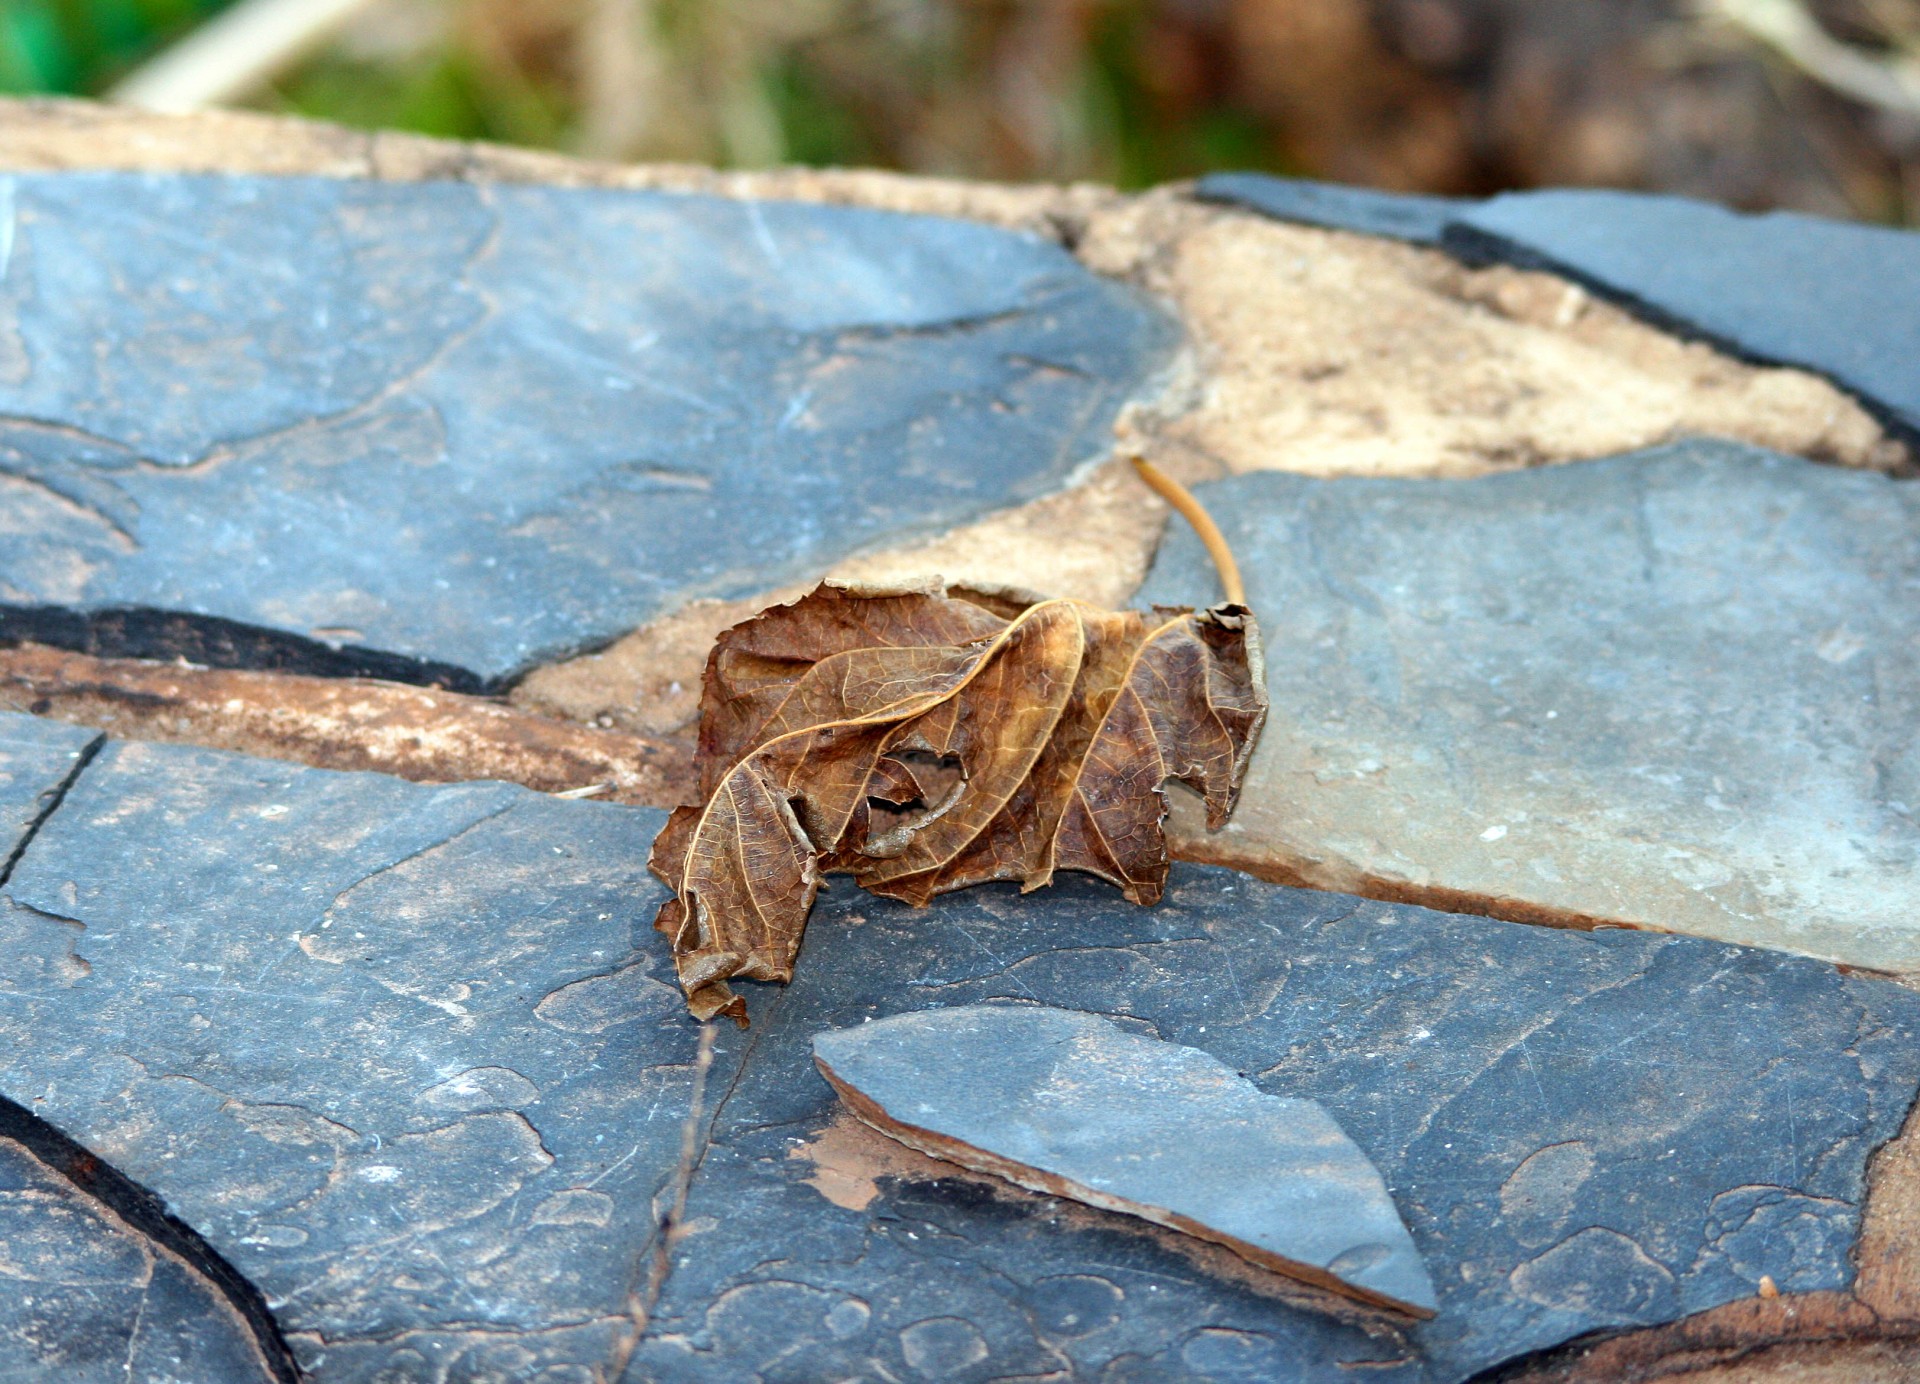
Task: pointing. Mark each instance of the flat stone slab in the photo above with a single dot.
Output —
(91, 1297)
(447, 431)
(391, 1050)
(407, 1058)
(1067, 1104)
(37, 759)
(1583, 1131)
(1783, 288)
(1675, 689)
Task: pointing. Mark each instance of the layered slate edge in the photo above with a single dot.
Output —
(1781, 288)
(414, 1009)
(1067, 1104)
(423, 445)
(105, 1284)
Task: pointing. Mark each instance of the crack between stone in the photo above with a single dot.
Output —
(84, 506)
(159, 634)
(971, 322)
(50, 803)
(393, 389)
(643, 1301)
(432, 846)
(460, 1328)
(146, 1213)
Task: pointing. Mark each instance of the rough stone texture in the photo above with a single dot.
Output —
(1337, 354)
(1783, 288)
(393, 1052)
(1309, 351)
(1570, 377)
(1830, 296)
(1584, 1131)
(1400, 215)
(37, 760)
(390, 1049)
(86, 1299)
(442, 431)
(1675, 690)
(1068, 1104)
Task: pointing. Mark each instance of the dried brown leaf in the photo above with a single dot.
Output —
(925, 740)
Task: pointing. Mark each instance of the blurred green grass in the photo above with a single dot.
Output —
(81, 47)
(1521, 93)
(806, 77)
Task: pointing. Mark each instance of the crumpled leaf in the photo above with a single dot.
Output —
(925, 740)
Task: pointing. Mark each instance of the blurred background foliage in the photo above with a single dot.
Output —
(1809, 104)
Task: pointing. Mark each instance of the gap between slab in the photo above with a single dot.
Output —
(146, 1215)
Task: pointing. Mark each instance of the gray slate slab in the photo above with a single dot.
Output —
(1584, 1132)
(37, 760)
(390, 1049)
(408, 1058)
(1784, 288)
(1674, 689)
(444, 431)
(1395, 215)
(1069, 1104)
(100, 1287)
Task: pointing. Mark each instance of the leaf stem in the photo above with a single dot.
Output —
(1177, 495)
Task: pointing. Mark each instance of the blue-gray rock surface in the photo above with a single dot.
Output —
(1067, 1104)
(1398, 215)
(1782, 288)
(390, 1049)
(99, 1286)
(1583, 1131)
(1675, 689)
(409, 1060)
(442, 431)
(38, 759)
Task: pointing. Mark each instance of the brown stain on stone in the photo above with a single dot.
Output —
(849, 1159)
(423, 734)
